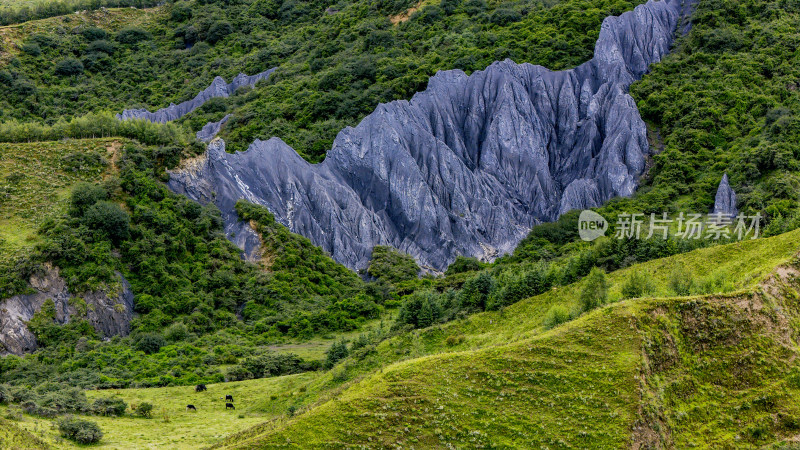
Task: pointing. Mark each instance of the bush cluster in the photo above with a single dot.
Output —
(80, 430)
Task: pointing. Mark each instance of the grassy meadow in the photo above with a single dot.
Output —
(173, 426)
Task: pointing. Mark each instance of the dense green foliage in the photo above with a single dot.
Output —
(392, 266)
(463, 264)
(270, 365)
(334, 298)
(727, 100)
(94, 126)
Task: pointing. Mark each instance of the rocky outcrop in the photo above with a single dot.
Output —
(217, 88)
(109, 314)
(725, 200)
(210, 130)
(466, 167)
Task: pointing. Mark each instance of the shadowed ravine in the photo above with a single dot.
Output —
(466, 167)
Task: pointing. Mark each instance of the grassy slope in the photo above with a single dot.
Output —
(14, 437)
(532, 393)
(35, 180)
(557, 388)
(742, 264)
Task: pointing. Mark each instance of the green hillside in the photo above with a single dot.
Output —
(702, 370)
(712, 370)
(335, 62)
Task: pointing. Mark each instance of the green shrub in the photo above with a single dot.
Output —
(5, 394)
(144, 409)
(94, 34)
(595, 290)
(556, 315)
(132, 35)
(181, 12)
(391, 265)
(218, 31)
(637, 285)
(420, 309)
(504, 16)
(149, 342)
(681, 281)
(83, 196)
(452, 341)
(101, 46)
(109, 406)
(463, 264)
(336, 353)
(176, 332)
(68, 67)
(31, 49)
(533, 281)
(474, 295)
(238, 373)
(79, 430)
(717, 281)
(109, 219)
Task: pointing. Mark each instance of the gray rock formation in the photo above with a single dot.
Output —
(110, 315)
(217, 88)
(467, 166)
(725, 200)
(211, 129)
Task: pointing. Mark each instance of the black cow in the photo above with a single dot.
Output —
(229, 406)
(191, 408)
(200, 388)
(228, 398)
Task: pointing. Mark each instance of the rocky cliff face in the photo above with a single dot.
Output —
(725, 200)
(465, 167)
(217, 88)
(110, 315)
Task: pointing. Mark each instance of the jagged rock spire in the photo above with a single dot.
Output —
(725, 200)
